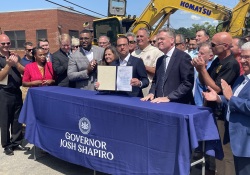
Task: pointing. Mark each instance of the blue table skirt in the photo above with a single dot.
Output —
(117, 134)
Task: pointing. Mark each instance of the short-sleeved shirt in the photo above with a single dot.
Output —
(14, 76)
(24, 61)
(149, 55)
(227, 69)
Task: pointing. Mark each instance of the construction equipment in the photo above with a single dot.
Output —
(235, 21)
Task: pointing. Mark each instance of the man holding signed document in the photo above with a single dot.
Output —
(126, 75)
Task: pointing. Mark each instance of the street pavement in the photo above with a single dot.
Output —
(23, 163)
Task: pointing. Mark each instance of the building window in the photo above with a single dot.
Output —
(17, 38)
(74, 33)
(41, 34)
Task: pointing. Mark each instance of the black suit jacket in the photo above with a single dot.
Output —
(139, 72)
(178, 79)
(60, 65)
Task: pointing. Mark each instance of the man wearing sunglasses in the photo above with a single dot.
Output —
(224, 67)
(28, 57)
(132, 41)
(180, 42)
(10, 98)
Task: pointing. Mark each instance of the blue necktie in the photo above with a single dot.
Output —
(162, 78)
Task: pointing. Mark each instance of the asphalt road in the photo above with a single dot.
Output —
(23, 163)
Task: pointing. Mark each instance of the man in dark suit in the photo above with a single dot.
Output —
(139, 78)
(60, 61)
(174, 77)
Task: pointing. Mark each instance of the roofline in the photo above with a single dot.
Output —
(56, 8)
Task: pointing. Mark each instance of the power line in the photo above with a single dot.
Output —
(69, 8)
(84, 8)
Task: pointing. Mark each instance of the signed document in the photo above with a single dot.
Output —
(4, 81)
(106, 77)
(124, 76)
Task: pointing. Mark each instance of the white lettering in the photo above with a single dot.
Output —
(68, 144)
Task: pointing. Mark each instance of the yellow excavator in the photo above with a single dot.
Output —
(236, 21)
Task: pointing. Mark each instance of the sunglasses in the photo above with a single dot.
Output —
(131, 42)
(177, 44)
(75, 47)
(154, 41)
(8, 43)
(214, 45)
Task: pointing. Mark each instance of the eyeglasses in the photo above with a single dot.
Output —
(120, 45)
(66, 45)
(29, 50)
(177, 44)
(214, 45)
(8, 43)
(132, 42)
(75, 47)
(245, 57)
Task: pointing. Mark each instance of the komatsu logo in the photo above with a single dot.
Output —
(200, 9)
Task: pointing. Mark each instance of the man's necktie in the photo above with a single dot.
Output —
(162, 78)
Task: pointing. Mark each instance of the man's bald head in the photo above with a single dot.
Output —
(221, 44)
(4, 43)
(3, 36)
(223, 37)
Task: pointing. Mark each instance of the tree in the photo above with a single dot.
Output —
(190, 32)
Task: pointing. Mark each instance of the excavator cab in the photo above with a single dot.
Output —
(117, 8)
(117, 23)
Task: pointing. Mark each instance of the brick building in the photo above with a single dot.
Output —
(30, 25)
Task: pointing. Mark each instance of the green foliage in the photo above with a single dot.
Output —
(191, 31)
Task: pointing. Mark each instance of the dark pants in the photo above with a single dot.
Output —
(242, 165)
(10, 107)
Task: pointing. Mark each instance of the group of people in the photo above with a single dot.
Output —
(166, 68)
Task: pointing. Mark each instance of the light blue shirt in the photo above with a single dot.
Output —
(237, 91)
(193, 53)
(199, 88)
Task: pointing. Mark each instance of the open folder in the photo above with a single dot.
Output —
(114, 78)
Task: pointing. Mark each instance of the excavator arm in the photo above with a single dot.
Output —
(235, 21)
(240, 22)
(158, 12)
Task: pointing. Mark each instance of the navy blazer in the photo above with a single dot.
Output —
(60, 65)
(139, 72)
(239, 121)
(178, 80)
